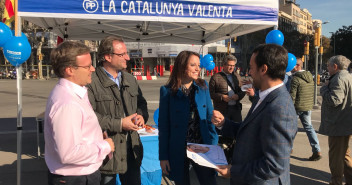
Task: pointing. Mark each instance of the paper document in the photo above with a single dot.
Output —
(206, 155)
(150, 132)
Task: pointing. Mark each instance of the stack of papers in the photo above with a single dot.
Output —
(145, 133)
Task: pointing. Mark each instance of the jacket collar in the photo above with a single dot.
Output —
(180, 93)
(106, 81)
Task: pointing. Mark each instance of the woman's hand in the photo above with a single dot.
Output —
(165, 166)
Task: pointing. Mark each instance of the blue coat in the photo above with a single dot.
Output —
(173, 125)
(264, 141)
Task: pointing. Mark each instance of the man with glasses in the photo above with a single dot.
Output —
(302, 93)
(225, 91)
(74, 144)
(121, 108)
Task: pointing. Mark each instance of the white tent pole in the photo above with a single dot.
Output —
(202, 71)
(18, 30)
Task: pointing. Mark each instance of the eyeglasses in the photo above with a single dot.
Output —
(121, 54)
(85, 67)
(231, 65)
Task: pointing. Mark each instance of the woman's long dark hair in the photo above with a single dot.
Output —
(179, 70)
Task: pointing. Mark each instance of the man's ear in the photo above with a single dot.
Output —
(68, 71)
(335, 67)
(264, 69)
(108, 57)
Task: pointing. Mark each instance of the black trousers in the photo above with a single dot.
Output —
(92, 179)
(133, 174)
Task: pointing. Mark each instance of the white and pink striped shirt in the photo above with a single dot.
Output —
(74, 143)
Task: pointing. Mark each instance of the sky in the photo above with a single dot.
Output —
(337, 12)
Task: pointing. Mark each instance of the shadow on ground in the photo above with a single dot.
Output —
(308, 176)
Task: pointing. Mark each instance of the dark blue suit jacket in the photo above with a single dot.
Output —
(173, 125)
(264, 141)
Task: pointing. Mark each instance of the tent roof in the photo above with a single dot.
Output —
(167, 21)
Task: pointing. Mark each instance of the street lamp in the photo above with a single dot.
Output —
(318, 41)
(321, 47)
(332, 33)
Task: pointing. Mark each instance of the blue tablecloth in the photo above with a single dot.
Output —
(150, 169)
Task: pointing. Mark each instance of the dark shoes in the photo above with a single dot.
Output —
(315, 157)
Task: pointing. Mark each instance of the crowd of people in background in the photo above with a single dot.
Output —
(93, 114)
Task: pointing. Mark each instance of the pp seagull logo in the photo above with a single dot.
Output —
(90, 6)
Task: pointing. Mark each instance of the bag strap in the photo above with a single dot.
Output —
(227, 80)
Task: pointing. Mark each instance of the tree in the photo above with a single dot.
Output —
(343, 42)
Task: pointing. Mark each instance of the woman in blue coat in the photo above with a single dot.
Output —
(185, 112)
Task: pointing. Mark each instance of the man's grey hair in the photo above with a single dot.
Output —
(229, 58)
(341, 61)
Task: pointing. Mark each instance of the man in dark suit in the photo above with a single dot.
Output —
(264, 139)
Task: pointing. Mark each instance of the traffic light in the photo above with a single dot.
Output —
(303, 59)
(317, 36)
(321, 50)
(306, 48)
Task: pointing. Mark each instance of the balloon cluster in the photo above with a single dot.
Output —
(207, 62)
(16, 49)
(276, 37)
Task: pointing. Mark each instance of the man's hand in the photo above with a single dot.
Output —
(139, 120)
(111, 143)
(250, 92)
(127, 123)
(217, 119)
(235, 97)
(225, 98)
(224, 170)
(165, 166)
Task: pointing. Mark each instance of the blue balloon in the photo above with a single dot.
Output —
(17, 50)
(292, 61)
(5, 34)
(156, 116)
(210, 66)
(208, 58)
(275, 37)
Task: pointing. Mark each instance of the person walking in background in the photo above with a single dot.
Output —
(225, 91)
(185, 110)
(336, 118)
(302, 91)
(74, 144)
(121, 108)
(264, 139)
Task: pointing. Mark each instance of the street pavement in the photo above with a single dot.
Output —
(34, 171)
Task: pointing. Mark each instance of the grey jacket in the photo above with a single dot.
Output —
(107, 102)
(336, 109)
(302, 90)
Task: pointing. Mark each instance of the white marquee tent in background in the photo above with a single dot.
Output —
(159, 21)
